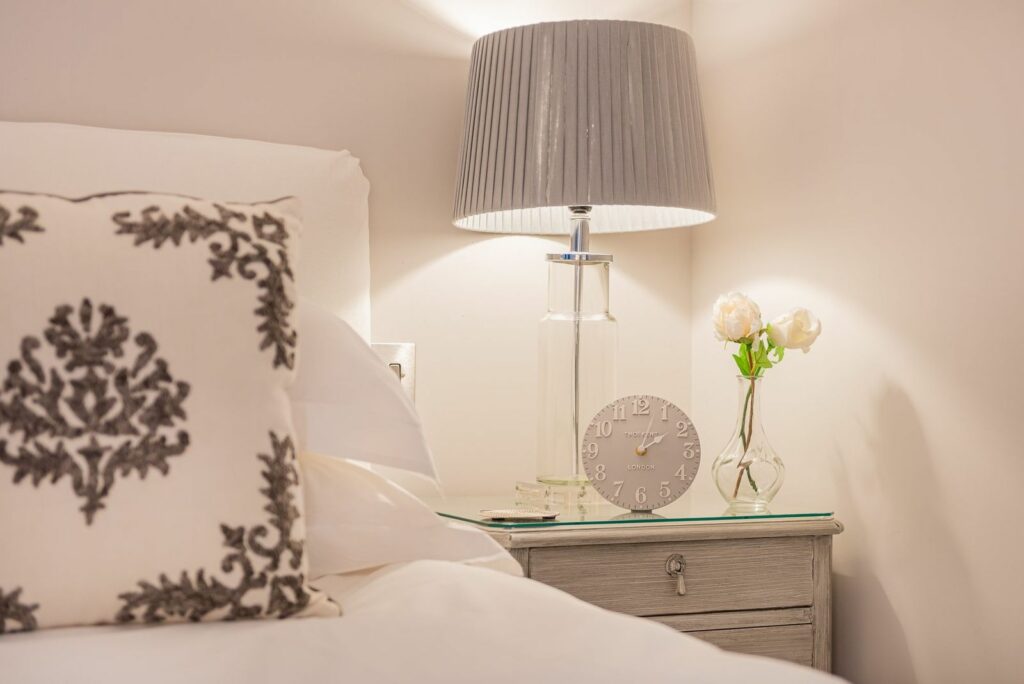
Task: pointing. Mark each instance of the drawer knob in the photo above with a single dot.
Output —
(674, 566)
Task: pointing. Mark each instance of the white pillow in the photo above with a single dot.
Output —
(78, 160)
(356, 519)
(348, 403)
(148, 468)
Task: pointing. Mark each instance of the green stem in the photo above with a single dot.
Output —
(743, 424)
(747, 428)
(750, 478)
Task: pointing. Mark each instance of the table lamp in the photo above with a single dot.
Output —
(573, 128)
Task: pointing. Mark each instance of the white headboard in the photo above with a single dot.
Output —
(335, 255)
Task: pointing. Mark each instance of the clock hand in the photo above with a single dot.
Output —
(656, 440)
(644, 435)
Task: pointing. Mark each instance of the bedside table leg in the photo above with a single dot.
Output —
(822, 609)
(523, 557)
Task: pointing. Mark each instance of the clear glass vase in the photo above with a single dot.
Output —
(578, 338)
(748, 472)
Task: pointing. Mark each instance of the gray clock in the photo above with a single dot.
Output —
(641, 452)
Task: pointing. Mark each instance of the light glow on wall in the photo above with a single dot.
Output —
(476, 18)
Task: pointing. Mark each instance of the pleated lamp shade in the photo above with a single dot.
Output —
(605, 114)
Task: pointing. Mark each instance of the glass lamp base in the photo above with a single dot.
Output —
(562, 496)
(576, 366)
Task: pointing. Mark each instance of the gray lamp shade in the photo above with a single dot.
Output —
(605, 114)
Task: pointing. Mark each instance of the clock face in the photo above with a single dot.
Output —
(641, 452)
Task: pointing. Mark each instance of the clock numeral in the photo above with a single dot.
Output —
(641, 495)
(684, 428)
(641, 407)
(604, 428)
(664, 492)
(599, 473)
(664, 411)
(618, 486)
(689, 451)
(590, 450)
(619, 412)
(681, 474)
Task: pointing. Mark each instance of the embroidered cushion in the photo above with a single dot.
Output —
(329, 185)
(147, 457)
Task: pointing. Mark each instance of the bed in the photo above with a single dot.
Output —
(421, 599)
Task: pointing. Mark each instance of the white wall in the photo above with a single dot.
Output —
(385, 79)
(869, 159)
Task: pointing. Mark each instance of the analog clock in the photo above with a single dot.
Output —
(641, 452)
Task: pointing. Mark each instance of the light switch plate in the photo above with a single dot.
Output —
(400, 357)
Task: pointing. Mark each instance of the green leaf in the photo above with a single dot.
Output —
(761, 358)
(741, 362)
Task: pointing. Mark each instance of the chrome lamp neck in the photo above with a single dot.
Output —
(579, 239)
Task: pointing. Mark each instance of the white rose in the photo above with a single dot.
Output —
(736, 317)
(795, 330)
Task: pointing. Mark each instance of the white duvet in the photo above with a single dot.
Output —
(426, 621)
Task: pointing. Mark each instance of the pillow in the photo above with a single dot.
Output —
(356, 520)
(148, 467)
(329, 185)
(348, 403)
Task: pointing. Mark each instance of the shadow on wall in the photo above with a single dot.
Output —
(872, 624)
(882, 509)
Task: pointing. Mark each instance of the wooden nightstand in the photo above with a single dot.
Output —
(758, 585)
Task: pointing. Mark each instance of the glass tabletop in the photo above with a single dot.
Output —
(682, 511)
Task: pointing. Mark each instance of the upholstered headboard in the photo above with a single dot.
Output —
(335, 256)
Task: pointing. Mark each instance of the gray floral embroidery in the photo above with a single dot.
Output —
(265, 591)
(234, 250)
(15, 230)
(92, 403)
(16, 616)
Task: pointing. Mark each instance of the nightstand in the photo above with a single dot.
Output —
(758, 584)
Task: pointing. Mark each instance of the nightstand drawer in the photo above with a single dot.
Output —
(733, 574)
(794, 643)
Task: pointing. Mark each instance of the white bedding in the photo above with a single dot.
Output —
(495, 628)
